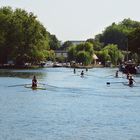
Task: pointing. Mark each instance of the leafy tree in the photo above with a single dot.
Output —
(83, 57)
(97, 46)
(66, 45)
(5, 16)
(54, 43)
(134, 43)
(72, 53)
(81, 53)
(114, 53)
(118, 33)
(113, 35)
(103, 56)
(23, 38)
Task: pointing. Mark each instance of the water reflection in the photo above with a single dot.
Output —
(22, 73)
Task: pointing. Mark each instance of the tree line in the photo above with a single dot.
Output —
(117, 43)
(23, 38)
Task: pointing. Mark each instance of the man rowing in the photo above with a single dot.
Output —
(34, 82)
(117, 74)
(131, 80)
(82, 73)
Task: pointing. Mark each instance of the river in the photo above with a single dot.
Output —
(71, 107)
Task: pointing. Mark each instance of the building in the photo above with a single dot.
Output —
(77, 42)
(61, 53)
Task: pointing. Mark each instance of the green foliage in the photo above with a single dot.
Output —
(54, 43)
(134, 41)
(66, 45)
(110, 53)
(23, 38)
(83, 57)
(97, 46)
(118, 33)
(72, 53)
(82, 53)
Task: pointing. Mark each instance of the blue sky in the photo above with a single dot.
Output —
(78, 19)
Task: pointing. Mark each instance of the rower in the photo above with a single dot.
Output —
(116, 75)
(131, 80)
(34, 82)
(82, 73)
(128, 75)
(74, 71)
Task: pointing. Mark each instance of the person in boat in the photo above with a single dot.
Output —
(128, 75)
(131, 80)
(82, 73)
(86, 69)
(34, 81)
(117, 74)
(74, 71)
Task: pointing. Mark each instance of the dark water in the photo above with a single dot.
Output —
(72, 107)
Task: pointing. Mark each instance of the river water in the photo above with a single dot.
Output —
(71, 107)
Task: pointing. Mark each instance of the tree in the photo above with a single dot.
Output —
(5, 16)
(66, 45)
(134, 43)
(72, 53)
(54, 43)
(23, 38)
(81, 53)
(83, 57)
(118, 33)
(97, 46)
(114, 53)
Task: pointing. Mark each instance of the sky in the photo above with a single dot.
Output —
(78, 19)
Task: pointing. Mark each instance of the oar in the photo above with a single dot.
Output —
(18, 85)
(24, 85)
(47, 85)
(108, 83)
(109, 75)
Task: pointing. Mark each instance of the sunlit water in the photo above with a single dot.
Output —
(71, 107)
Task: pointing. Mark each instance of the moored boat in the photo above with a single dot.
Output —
(128, 67)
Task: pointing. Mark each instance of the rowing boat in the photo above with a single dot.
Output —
(35, 88)
(126, 84)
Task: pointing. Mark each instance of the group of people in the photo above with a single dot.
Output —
(82, 72)
(34, 80)
(128, 76)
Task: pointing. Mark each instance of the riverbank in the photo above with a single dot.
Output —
(88, 66)
(19, 66)
(46, 66)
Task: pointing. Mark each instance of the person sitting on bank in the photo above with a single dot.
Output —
(34, 81)
(82, 73)
(131, 80)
